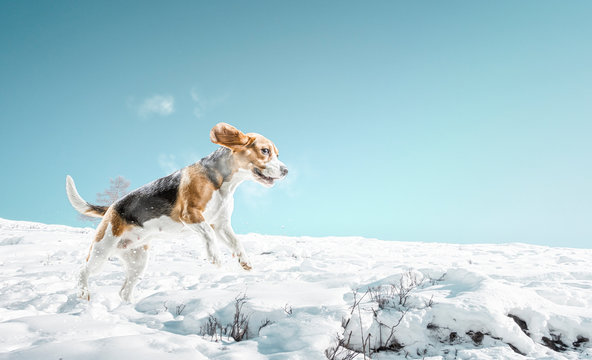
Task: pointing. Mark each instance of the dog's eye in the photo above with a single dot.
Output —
(265, 151)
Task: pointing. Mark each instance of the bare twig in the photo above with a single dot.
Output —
(179, 309)
(288, 309)
(264, 323)
(396, 296)
(240, 325)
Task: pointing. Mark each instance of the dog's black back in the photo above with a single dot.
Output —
(150, 201)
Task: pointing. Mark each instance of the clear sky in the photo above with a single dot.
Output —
(456, 121)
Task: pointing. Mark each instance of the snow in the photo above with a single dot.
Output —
(304, 286)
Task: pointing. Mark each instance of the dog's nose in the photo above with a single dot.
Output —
(284, 170)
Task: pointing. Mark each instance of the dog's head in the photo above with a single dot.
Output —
(253, 152)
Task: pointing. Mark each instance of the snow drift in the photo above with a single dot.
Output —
(306, 298)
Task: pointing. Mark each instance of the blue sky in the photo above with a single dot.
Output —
(457, 121)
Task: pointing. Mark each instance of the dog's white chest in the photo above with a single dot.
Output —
(220, 206)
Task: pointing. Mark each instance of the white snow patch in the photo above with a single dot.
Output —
(302, 285)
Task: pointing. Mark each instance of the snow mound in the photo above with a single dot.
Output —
(304, 298)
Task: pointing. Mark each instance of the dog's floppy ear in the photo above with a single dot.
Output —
(229, 136)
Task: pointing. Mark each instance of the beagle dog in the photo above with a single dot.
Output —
(197, 198)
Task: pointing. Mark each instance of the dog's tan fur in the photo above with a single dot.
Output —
(195, 192)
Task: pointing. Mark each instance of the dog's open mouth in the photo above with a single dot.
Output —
(262, 178)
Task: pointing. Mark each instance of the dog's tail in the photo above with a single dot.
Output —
(80, 204)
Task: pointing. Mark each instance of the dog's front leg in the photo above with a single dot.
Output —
(207, 233)
(234, 244)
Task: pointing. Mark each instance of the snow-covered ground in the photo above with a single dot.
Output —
(458, 305)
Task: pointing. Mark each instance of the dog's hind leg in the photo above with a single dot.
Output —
(103, 246)
(135, 261)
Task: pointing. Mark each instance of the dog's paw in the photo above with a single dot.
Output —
(125, 298)
(84, 294)
(215, 259)
(245, 263)
(125, 294)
